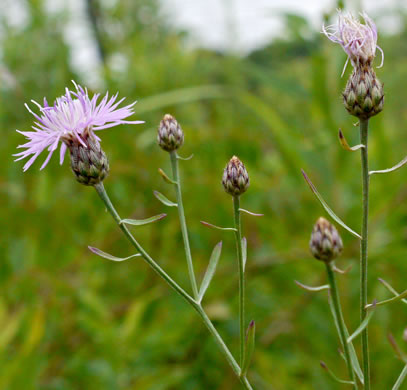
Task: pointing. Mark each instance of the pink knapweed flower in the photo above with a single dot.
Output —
(72, 115)
(358, 40)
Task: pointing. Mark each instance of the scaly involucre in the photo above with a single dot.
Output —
(358, 40)
(71, 116)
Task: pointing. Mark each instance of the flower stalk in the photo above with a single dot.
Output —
(364, 125)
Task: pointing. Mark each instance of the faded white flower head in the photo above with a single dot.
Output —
(358, 40)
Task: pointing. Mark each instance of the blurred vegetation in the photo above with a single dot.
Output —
(71, 320)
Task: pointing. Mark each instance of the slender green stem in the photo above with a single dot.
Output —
(184, 230)
(364, 125)
(238, 235)
(341, 322)
(400, 379)
(197, 306)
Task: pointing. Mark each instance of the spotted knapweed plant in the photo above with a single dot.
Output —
(72, 122)
(363, 97)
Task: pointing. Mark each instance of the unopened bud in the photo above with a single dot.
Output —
(88, 161)
(235, 177)
(170, 135)
(363, 96)
(326, 243)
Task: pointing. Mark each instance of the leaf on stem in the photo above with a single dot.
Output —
(333, 376)
(345, 144)
(312, 289)
(244, 252)
(213, 262)
(164, 200)
(342, 271)
(353, 357)
(391, 289)
(392, 169)
(251, 213)
(391, 300)
(165, 177)
(105, 255)
(249, 348)
(185, 158)
(400, 379)
(209, 225)
(138, 222)
(363, 324)
(399, 353)
(327, 208)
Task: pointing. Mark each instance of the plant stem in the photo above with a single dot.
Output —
(364, 125)
(184, 230)
(341, 322)
(197, 306)
(238, 235)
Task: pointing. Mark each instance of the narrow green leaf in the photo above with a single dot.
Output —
(333, 376)
(164, 200)
(392, 169)
(185, 158)
(345, 144)
(312, 289)
(165, 177)
(210, 271)
(249, 347)
(399, 353)
(244, 252)
(105, 255)
(217, 227)
(400, 379)
(250, 213)
(391, 300)
(327, 208)
(342, 271)
(391, 289)
(138, 222)
(353, 357)
(362, 326)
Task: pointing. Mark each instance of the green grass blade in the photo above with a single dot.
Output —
(139, 222)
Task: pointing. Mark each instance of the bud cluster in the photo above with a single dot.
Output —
(326, 243)
(363, 96)
(170, 135)
(235, 177)
(88, 161)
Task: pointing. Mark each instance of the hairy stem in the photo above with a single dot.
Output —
(184, 230)
(364, 125)
(341, 322)
(238, 235)
(197, 306)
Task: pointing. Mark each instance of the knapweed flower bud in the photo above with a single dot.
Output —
(363, 96)
(235, 177)
(170, 135)
(88, 161)
(326, 243)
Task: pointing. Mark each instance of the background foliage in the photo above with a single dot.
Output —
(71, 320)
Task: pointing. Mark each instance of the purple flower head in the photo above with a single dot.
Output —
(358, 40)
(72, 117)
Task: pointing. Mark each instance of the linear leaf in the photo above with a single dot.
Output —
(164, 200)
(312, 289)
(327, 208)
(391, 300)
(400, 379)
(392, 169)
(353, 357)
(362, 326)
(165, 177)
(217, 227)
(345, 144)
(249, 348)
(342, 271)
(399, 353)
(244, 252)
(250, 213)
(185, 158)
(333, 376)
(391, 289)
(105, 255)
(138, 222)
(210, 271)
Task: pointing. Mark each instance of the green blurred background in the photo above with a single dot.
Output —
(72, 320)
